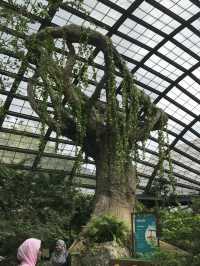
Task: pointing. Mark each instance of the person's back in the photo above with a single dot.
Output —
(28, 252)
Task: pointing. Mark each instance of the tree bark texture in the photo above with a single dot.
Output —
(115, 190)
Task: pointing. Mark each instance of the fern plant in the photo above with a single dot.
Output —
(106, 228)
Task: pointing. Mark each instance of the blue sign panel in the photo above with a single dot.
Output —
(145, 233)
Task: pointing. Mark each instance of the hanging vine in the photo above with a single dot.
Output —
(57, 91)
(123, 120)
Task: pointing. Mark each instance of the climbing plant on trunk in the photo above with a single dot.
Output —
(109, 130)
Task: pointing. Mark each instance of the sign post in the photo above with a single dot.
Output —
(144, 232)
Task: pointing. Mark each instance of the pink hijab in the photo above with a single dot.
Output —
(28, 252)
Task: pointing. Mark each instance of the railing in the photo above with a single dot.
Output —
(130, 262)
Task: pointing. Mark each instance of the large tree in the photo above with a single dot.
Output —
(107, 130)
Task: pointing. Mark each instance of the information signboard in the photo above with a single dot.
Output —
(144, 228)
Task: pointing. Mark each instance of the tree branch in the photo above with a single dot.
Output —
(36, 106)
(155, 122)
(73, 95)
(67, 127)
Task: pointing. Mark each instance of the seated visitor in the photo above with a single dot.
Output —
(29, 252)
(60, 254)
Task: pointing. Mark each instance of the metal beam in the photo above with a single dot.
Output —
(167, 171)
(38, 136)
(111, 31)
(180, 136)
(124, 36)
(13, 75)
(71, 143)
(83, 176)
(22, 69)
(45, 154)
(180, 45)
(154, 173)
(33, 135)
(168, 80)
(59, 156)
(174, 161)
(182, 199)
(44, 23)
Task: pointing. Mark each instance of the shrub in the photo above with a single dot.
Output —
(162, 258)
(106, 228)
(41, 206)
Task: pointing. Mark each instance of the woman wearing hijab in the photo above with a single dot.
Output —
(59, 256)
(29, 252)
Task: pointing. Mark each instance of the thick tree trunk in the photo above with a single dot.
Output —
(115, 195)
(115, 190)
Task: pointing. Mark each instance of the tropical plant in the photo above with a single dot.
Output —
(39, 205)
(163, 258)
(106, 228)
(182, 228)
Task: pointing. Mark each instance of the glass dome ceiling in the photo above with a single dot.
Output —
(160, 41)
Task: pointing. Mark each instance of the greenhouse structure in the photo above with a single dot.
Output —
(100, 131)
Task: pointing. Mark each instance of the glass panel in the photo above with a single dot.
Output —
(183, 8)
(156, 18)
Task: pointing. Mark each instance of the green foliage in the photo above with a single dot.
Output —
(196, 205)
(164, 258)
(39, 205)
(171, 258)
(161, 258)
(106, 228)
(140, 207)
(182, 228)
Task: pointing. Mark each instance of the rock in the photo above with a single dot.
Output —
(100, 254)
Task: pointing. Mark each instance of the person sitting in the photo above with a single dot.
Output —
(29, 252)
(60, 255)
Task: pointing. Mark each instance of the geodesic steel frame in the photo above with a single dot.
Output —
(192, 184)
